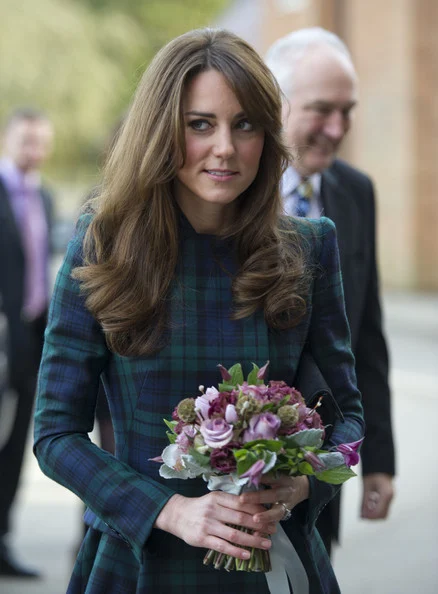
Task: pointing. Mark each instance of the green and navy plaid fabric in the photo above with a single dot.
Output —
(122, 553)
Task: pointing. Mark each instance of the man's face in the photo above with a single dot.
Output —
(28, 143)
(318, 114)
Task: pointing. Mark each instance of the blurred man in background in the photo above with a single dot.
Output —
(318, 79)
(25, 222)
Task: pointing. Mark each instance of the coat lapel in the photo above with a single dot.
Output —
(341, 206)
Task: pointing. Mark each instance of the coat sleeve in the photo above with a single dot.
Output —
(329, 343)
(371, 353)
(74, 356)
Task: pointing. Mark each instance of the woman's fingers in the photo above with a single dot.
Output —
(242, 538)
(288, 491)
(225, 547)
(208, 522)
(274, 514)
(232, 511)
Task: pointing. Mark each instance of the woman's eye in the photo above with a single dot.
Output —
(199, 125)
(245, 125)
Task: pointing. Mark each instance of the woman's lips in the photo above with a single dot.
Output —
(221, 174)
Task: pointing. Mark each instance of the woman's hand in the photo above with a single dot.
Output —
(286, 490)
(205, 522)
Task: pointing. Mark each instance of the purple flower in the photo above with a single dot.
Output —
(254, 473)
(314, 461)
(223, 460)
(219, 405)
(263, 426)
(349, 451)
(231, 415)
(217, 433)
(226, 376)
(203, 403)
(310, 418)
(257, 392)
(261, 372)
(279, 390)
(186, 437)
(183, 442)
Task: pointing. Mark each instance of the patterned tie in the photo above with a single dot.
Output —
(304, 192)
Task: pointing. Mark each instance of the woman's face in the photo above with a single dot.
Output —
(223, 148)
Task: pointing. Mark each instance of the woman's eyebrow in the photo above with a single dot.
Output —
(205, 114)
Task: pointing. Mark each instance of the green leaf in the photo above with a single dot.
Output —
(171, 425)
(331, 459)
(270, 459)
(335, 476)
(193, 466)
(226, 387)
(305, 468)
(252, 376)
(246, 462)
(270, 406)
(236, 374)
(199, 458)
(240, 454)
(307, 437)
(171, 437)
(272, 445)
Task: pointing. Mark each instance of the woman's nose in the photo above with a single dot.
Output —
(223, 144)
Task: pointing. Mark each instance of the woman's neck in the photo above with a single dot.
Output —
(209, 219)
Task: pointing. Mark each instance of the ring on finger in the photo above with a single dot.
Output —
(287, 512)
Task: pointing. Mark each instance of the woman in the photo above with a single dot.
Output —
(183, 264)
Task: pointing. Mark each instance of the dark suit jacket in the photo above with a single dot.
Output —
(348, 199)
(12, 270)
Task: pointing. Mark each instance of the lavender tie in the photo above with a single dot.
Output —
(34, 232)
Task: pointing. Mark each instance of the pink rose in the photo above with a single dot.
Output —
(185, 438)
(203, 403)
(217, 433)
(263, 426)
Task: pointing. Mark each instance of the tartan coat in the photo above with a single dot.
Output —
(122, 552)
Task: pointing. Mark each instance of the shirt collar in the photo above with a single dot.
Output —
(15, 179)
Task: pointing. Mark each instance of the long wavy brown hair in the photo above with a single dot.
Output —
(131, 244)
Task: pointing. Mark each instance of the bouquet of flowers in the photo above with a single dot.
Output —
(233, 434)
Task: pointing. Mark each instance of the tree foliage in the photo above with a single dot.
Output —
(80, 61)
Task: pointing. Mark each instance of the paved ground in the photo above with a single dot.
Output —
(399, 556)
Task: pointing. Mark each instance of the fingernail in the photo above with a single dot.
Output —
(266, 544)
(246, 555)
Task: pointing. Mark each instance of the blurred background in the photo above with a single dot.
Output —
(80, 61)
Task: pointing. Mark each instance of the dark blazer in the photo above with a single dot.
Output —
(348, 199)
(12, 270)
